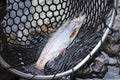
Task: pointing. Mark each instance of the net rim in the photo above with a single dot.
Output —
(68, 72)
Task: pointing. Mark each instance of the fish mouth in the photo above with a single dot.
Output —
(49, 65)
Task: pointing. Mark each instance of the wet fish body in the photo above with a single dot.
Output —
(59, 41)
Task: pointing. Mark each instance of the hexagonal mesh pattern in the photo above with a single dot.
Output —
(26, 21)
(26, 25)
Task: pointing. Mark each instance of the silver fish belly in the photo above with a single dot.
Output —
(60, 40)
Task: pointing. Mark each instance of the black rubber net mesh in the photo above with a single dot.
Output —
(27, 24)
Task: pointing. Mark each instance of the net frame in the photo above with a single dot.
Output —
(59, 75)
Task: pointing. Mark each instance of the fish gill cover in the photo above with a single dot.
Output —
(28, 24)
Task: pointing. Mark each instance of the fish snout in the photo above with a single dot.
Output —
(50, 64)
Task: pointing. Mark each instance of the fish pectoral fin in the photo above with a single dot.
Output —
(63, 52)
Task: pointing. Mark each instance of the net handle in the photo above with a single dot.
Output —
(46, 77)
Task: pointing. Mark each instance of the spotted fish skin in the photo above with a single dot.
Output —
(59, 41)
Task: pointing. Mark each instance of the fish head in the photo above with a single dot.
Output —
(50, 63)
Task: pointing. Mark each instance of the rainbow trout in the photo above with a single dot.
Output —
(59, 41)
